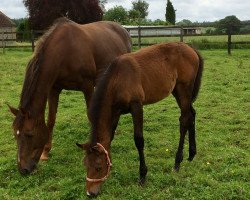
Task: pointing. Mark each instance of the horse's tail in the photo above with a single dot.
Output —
(197, 82)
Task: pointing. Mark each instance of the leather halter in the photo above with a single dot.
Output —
(109, 164)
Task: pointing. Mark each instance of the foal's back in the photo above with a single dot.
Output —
(152, 73)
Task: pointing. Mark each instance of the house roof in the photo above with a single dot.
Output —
(5, 21)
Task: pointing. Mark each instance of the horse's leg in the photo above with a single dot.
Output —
(137, 115)
(53, 104)
(183, 96)
(191, 135)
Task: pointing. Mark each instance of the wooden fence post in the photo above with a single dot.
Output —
(32, 40)
(181, 34)
(139, 36)
(3, 43)
(229, 41)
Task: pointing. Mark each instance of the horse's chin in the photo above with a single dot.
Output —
(94, 191)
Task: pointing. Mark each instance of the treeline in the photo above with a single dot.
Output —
(42, 15)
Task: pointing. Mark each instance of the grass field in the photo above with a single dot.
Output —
(221, 169)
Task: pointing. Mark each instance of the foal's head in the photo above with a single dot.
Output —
(31, 136)
(98, 164)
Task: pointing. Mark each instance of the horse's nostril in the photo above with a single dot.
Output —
(24, 171)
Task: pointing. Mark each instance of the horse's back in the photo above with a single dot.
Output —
(78, 53)
(155, 71)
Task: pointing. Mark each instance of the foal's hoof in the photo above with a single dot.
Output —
(44, 156)
(176, 168)
(191, 156)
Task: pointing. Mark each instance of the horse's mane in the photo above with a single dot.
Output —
(34, 65)
(98, 98)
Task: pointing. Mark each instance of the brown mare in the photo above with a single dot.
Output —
(69, 56)
(134, 80)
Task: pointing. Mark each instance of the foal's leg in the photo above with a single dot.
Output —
(53, 104)
(137, 115)
(191, 131)
(115, 121)
(88, 90)
(183, 97)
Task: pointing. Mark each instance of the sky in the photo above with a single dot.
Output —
(193, 10)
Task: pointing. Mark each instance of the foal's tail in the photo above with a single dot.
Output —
(197, 82)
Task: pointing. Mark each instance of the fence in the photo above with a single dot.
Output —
(180, 32)
(161, 31)
(139, 32)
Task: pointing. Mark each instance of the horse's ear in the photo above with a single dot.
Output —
(83, 146)
(14, 111)
(97, 148)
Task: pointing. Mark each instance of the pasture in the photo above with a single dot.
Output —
(220, 170)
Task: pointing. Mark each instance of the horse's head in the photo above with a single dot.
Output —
(98, 164)
(31, 136)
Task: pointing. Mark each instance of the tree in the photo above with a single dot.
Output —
(170, 13)
(117, 14)
(42, 13)
(141, 8)
(102, 4)
(23, 30)
(184, 22)
(229, 25)
(134, 15)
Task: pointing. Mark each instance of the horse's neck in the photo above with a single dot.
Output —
(101, 129)
(37, 103)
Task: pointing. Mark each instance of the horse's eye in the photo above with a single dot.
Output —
(28, 135)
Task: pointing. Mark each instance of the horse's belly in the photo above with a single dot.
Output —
(158, 92)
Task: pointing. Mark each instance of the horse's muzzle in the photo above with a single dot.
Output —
(27, 169)
(91, 195)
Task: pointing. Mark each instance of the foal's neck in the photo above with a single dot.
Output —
(102, 127)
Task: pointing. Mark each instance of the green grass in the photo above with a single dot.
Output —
(220, 170)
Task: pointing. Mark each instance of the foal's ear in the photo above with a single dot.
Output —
(97, 148)
(14, 111)
(83, 146)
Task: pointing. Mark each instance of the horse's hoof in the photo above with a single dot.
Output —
(142, 181)
(44, 157)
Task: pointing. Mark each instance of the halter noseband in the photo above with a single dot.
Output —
(109, 164)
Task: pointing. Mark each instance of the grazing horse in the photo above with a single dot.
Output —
(68, 56)
(134, 80)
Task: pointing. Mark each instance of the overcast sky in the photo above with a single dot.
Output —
(194, 10)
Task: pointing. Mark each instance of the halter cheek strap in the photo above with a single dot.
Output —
(109, 164)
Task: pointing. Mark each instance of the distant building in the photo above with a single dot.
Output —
(7, 30)
(161, 31)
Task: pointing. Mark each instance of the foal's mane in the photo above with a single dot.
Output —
(34, 65)
(98, 99)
